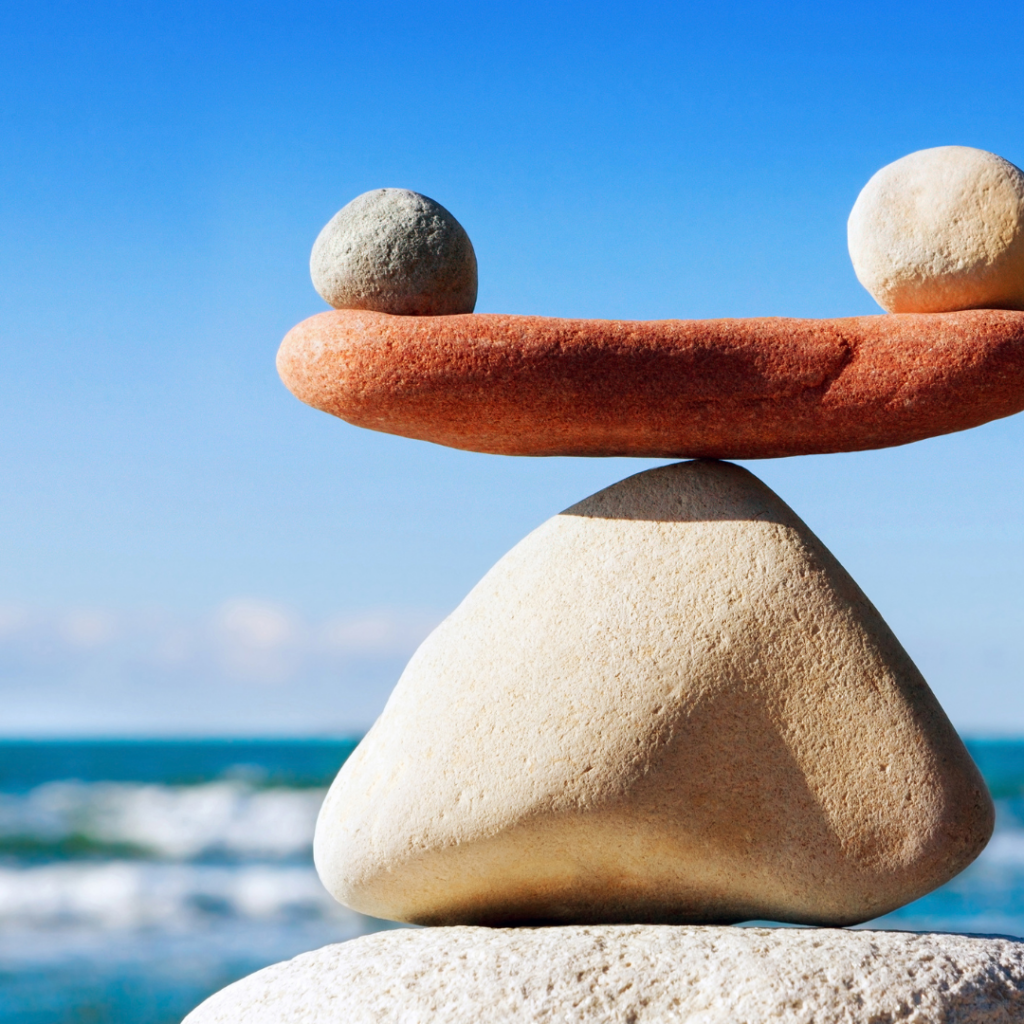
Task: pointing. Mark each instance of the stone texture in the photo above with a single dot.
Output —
(395, 251)
(671, 704)
(759, 388)
(636, 975)
(939, 230)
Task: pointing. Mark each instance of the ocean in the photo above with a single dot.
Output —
(137, 877)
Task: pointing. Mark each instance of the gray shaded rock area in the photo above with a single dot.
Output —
(636, 973)
(395, 251)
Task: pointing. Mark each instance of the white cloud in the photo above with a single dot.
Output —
(375, 633)
(88, 628)
(258, 642)
(256, 625)
(12, 620)
(245, 666)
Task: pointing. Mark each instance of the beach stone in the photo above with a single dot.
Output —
(636, 975)
(669, 704)
(739, 389)
(939, 230)
(395, 251)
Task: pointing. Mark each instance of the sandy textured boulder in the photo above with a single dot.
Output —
(737, 389)
(395, 251)
(669, 703)
(636, 975)
(939, 230)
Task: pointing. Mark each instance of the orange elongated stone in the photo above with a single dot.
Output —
(726, 389)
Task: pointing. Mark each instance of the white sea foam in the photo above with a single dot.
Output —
(118, 895)
(230, 817)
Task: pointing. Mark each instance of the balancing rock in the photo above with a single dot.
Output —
(670, 703)
(939, 230)
(635, 975)
(395, 251)
(759, 388)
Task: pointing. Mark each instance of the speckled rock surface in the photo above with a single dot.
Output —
(636, 975)
(760, 388)
(669, 703)
(395, 251)
(939, 230)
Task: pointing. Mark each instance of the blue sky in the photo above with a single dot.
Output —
(185, 547)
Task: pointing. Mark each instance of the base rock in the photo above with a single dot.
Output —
(636, 973)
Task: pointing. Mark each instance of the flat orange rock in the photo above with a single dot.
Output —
(726, 389)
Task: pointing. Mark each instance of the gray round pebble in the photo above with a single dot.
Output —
(395, 251)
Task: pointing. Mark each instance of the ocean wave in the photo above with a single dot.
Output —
(119, 895)
(230, 818)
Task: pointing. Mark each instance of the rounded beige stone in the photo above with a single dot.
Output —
(941, 230)
(635, 975)
(670, 703)
(395, 251)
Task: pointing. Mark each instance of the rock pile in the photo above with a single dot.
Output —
(668, 709)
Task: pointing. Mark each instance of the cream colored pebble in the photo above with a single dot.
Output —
(941, 230)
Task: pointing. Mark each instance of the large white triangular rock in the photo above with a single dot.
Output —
(670, 703)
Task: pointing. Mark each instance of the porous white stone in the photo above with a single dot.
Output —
(635, 975)
(941, 230)
(668, 704)
(395, 251)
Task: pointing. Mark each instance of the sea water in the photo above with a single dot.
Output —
(138, 877)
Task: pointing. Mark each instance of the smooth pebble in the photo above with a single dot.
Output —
(395, 251)
(941, 230)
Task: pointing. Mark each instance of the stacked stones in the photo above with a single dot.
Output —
(669, 708)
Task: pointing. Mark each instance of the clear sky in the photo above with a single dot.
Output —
(185, 547)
